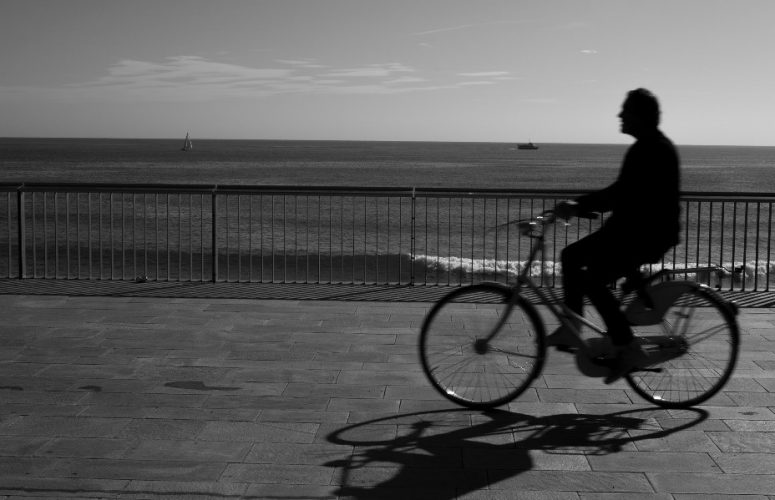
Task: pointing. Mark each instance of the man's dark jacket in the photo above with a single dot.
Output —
(644, 200)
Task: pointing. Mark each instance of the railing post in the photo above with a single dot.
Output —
(412, 238)
(20, 230)
(214, 251)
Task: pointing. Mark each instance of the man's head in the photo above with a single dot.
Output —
(640, 113)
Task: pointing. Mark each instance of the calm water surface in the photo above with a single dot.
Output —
(356, 163)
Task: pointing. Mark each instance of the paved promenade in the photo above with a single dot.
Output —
(134, 396)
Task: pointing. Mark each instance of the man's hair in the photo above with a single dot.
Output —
(644, 104)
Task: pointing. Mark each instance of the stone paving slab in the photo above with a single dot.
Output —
(227, 398)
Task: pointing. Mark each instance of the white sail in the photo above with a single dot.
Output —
(187, 145)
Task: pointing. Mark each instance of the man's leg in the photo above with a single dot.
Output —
(588, 266)
(606, 304)
(574, 258)
(612, 261)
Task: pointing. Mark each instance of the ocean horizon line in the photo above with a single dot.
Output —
(387, 141)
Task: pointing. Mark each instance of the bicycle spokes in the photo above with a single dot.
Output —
(694, 354)
(478, 349)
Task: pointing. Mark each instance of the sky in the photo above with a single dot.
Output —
(418, 70)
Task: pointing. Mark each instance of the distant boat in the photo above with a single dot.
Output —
(529, 145)
(187, 146)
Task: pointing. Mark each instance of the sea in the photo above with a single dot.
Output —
(732, 170)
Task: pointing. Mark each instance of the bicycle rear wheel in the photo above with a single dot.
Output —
(462, 366)
(693, 350)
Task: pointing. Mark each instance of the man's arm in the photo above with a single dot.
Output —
(598, 201)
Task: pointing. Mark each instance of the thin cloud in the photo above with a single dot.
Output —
(486, 77)
(476, 82)
(467, 26)
(371, 71)
(406, 79)
(305, 63)
(194, 78)
(485, 74)
(444, 30)
(190, 74)
(183, 71)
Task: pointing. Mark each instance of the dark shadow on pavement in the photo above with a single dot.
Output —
(288, 291)
(444, 454)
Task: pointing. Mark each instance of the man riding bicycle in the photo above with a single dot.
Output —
(643, 225)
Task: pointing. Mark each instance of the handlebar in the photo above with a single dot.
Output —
(528, 226)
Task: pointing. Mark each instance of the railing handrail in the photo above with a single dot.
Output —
(72, 216)
(346, 190)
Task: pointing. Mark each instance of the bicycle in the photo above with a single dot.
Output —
(483, 345)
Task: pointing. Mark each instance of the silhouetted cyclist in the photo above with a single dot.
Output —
(643, 225)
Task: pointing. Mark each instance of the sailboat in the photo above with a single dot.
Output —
(187, 146)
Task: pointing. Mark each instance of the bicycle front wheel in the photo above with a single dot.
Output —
(693, 350)
(463, 365)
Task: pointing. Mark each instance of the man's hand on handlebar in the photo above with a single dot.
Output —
(566, 210)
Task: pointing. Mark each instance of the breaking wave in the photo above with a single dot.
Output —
(727, 273)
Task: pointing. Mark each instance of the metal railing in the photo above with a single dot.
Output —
(338, 235)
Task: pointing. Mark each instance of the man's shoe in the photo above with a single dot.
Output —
(563, 340)
(628, 358)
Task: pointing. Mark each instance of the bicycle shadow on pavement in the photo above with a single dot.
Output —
(446, 453)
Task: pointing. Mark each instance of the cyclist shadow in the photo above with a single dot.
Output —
(436, 455)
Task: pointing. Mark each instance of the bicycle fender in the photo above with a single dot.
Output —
(663, 296)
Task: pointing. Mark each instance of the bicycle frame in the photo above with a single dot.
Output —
(561, 312)
(568, 318)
